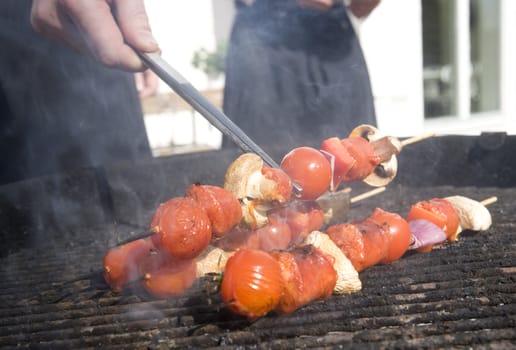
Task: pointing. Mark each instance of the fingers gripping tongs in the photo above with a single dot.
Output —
(216, 117)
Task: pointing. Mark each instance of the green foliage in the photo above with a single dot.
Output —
(211, 63)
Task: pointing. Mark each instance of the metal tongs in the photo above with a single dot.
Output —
(213, 114)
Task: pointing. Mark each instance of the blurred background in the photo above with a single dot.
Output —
(444, 66)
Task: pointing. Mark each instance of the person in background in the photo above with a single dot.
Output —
(62, 109)
(295, 72)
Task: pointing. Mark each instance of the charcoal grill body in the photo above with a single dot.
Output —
(55, 231)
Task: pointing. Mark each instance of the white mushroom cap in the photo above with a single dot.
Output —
(472, 214)
(212, 260)
(244, 179)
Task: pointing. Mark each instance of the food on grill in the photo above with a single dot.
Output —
(307, 274)
(257, 187)
(221, 206)
(347, 277)
(269, 246)
(451, 215)
(385, 148)
(172, 278)
(123, 264)
(256, 282)
(248, 177)
(310, 169)
(473, 215)
(275, 234)
(182, 228)
(252, 283)
(354, 158)
(302, 217)
(425, 234)
(381, 238)
(440, 212)
(365, 155)
(212, 261)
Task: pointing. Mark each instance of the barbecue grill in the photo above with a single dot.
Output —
(55, 231)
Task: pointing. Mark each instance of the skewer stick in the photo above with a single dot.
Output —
(367, 194)
(489, 200)
(415, 139)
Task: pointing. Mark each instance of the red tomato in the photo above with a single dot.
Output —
(275, 235)
(398, 229)
(310, 169)
(252, 284)
(303, 217)
(122, 264)
(343, 160)
(182, 228)
(440, 212)
(172, 279)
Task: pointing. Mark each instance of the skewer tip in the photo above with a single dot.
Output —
(489, 200)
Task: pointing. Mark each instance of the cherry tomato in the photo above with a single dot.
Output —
(310, 169)
(252, 284)
(303, 217)
(222, 207)
(274, 235)
(398, 229)
(343, 160)
(238, 237)
(172, 279)
(440, 212)
(122, 264)
(182, 228)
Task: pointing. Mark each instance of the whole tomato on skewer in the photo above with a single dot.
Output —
(252, 284)
(310, 169)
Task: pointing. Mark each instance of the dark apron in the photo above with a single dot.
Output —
(59, 110)
(295, 76)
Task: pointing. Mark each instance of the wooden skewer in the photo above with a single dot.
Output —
(367, 194)
(415, 139)
(489, 200)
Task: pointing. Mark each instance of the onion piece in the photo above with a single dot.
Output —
(425, 233)
(331, 160)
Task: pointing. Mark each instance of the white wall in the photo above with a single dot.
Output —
(391, 40)
(182, 27)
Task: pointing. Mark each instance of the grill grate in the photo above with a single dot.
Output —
(461, 295)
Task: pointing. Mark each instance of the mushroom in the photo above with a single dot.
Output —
(212, 261)
(257, 192)
(245, 179)
(473, 215)
(347, 277)
(386, 148)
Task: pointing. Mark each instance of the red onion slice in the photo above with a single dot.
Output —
(425, 233)
(331, 159)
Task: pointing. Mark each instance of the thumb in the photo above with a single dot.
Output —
(134, 24)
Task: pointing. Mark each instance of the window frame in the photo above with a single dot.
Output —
(464, 121)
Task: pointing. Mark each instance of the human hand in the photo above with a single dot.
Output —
(146, 83)
(102, 29)
(362, 8)
(323, 5)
